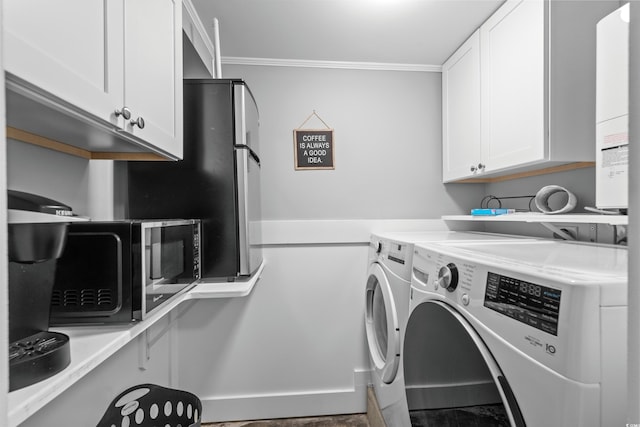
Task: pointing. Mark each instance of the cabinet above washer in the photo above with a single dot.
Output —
(104, 77)
(519, 94)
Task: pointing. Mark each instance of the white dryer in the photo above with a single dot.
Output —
(521, 333)
(387, 310)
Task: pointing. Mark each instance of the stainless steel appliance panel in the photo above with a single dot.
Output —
(248, 179)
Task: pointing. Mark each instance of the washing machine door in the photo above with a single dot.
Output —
(381, 324)
(438, 337)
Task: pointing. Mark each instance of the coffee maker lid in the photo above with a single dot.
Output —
(32, 208)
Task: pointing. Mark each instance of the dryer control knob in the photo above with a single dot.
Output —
(448, 277)
(379, 247)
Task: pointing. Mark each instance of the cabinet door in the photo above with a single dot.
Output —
(75, 55)
(153, 71)
(513, 85)
(461, 111)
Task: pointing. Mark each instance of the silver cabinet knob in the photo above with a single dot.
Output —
(480, 166)
(138, 122)
(473, 168)
(125, 112)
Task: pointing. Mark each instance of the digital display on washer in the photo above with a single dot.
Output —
(531, 304)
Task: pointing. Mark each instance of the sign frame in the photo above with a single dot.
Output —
(316, 142)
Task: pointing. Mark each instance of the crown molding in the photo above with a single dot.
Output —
(375, 66)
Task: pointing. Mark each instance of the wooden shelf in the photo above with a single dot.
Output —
(537, 217)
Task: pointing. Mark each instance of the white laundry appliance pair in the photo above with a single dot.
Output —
(387, 310)
(520, 333)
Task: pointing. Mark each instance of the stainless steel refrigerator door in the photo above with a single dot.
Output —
(248, 180)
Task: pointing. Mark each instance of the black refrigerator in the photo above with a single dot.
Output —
(218, 180)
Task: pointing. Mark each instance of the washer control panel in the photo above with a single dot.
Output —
(532, 304)
(396, 256)
(397, 252)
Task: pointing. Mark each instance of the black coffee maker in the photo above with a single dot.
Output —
(37, 236)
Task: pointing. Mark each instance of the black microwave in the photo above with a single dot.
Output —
(120, 271)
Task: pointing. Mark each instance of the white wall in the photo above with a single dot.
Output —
(193, 67)
(387, 143)
(294, 347)
(88, 186)
(48, 173)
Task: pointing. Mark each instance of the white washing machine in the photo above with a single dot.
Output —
(387, 310)
(521, 333)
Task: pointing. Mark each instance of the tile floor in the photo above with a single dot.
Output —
(357, 420)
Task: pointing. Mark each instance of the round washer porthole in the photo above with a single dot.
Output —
(381, 324)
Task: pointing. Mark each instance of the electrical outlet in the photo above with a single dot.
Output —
(570, 230)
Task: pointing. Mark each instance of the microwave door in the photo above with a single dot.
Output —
(166, 258)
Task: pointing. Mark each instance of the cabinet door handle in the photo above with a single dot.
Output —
(473, 168)
(480, 166)
(125, 112)
(138, 122)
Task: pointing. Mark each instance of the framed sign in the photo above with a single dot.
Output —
(313, 149)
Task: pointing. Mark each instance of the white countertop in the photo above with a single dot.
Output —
(92, 345)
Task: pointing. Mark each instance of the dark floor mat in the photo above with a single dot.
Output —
(471, 416)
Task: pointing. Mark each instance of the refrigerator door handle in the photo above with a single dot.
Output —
(252, 153)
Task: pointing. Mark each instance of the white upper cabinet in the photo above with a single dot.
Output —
(74, 56)
(113, 65)
(461, 111)
(513, 90)
(153, 71)
(537, 92)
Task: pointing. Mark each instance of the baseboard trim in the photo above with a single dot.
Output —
(308, 403)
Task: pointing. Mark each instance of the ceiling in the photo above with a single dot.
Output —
(420, 32)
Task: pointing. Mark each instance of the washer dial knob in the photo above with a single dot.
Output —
(448, 277)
